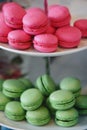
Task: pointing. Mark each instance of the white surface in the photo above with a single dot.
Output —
(59, 52)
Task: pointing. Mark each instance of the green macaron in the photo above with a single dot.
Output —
(39, 117)
(62, 99)
(26, 82)
(45, 84)
(1, 84)
(13, 88)
(3, 101)
(67, 118)
(31, 99)
(81, 104)
(14, 111)
(72, 84)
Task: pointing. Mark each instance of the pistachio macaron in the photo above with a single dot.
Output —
(31, 99)
(1, 84)
(72, 84)
(13, 88)
(39, 117)
(67, 118)
(62, 99)
(81, 104)
(14, 111)
(45, 84)
(3, 101)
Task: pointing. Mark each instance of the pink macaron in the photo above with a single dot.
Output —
(13, 14)
(69, 37)
(35, 22)
(34, 9)
(4, 30)
(59, 15)
(51, 29)
(45, 43)
(18, 39)
(82, 25)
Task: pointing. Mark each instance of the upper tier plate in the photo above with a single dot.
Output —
(60, 51)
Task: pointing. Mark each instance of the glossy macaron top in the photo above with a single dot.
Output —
(61, 97)
(68, 34)
(14, 108)
(81, 24)
(19, 36)
(58, 12)
(13, 14)
(34, 19)
(31, 99)
(70, 83)
(13, 85)
(45, 39)
(33, 9)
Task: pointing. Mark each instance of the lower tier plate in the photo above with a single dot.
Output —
(23, 125)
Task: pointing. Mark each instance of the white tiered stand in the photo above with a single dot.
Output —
(23, 125)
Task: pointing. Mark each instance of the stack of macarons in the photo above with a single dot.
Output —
(40, 102)
(33, 28)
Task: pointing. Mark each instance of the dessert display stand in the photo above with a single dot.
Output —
(23, 125)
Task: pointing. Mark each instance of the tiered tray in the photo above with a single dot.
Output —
(60, 51)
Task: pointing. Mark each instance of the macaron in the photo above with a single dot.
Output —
(71, 84)
(13, 88)
(45, 43)
(34, 9)
(81, 104)
(62, 99)
(51, 29)
(39, 117)
(82, 25)
(67, 118)
(26, 82)
(3, 101)
(59, 15)
(14, 111)
(69, 37)
(4, 29)
(13, 14)
(31, 99)
(45, 84)
(35, 22)
(18, 39)
(1, 84)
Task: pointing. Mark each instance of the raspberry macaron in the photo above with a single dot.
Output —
(4, 30)
(45, 42)
(82, 25)
(59, 15)
(35, 22)
(13, 14)
(18, 39)
(69, 37)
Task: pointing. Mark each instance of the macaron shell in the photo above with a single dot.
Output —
(31, 99)
(45, 42)
(82, 25)
(3, 101)
(39, 117)
(11, 15)
(69, 36)
(14, 111)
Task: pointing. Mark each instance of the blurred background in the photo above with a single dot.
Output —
(67, 65)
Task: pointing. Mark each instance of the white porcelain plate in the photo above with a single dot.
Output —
(60, 51)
